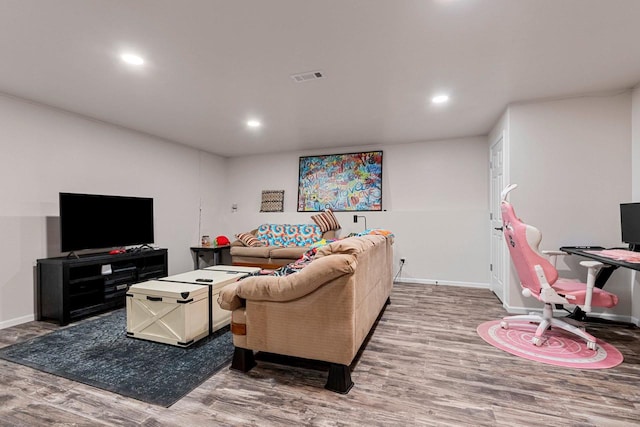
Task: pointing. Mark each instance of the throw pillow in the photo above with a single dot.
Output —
(248, 239)
(326, 220)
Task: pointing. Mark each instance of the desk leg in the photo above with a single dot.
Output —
(604, 274)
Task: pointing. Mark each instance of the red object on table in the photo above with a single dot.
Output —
(222, 241)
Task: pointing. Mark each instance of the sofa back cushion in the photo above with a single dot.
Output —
(293, 286)
(288, 234)
(350, 245)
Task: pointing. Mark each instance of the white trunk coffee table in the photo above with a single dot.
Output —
(168, 312)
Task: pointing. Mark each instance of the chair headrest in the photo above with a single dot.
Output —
(506, 191)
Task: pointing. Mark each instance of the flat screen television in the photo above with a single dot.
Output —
(94, 221)
(630, 224)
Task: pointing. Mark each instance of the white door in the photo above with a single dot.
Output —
(498, 249)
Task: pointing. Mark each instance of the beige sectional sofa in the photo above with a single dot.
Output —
(323, 312)
(269, 256)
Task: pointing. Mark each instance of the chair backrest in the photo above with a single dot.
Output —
(523, 241)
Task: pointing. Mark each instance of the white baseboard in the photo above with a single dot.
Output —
(17, 321)
(442, 282)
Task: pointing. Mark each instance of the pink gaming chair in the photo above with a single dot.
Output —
(539, 278)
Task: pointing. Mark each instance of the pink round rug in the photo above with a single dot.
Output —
(560, 348)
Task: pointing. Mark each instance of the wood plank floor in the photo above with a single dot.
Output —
(424, 365)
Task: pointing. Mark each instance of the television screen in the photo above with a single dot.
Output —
(93, 221)
(630, 222)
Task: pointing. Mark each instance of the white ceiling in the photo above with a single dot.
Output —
(214, 64)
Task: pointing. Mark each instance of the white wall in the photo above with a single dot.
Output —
(46, 151)
(571, 158)
(572, 161)
(434, 194)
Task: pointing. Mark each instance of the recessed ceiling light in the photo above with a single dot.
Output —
(439, 99)
(254, 124)
(132, 59)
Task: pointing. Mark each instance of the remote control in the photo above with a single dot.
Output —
(204, 280)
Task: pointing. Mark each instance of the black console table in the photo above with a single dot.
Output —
(219, 254)
(72, 288)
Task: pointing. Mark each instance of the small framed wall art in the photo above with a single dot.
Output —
(272, 201)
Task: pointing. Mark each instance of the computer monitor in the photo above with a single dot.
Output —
(630, 225)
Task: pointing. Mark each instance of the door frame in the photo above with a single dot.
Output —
(506, 260)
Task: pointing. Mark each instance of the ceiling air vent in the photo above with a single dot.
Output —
(308, 76)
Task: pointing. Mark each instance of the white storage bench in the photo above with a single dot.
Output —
(168, 312)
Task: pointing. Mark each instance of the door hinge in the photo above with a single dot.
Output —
(490, 267)
(490, 215)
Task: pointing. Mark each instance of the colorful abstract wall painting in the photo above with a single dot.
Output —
(341, 182)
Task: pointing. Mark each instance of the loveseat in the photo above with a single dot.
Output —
(275, 245)
(323, 312)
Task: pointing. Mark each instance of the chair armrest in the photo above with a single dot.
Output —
(592, 268)
(554, 253)
(547, 293)
(591, 264)
(553, 256)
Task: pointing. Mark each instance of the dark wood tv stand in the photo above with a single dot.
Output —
(72, 288)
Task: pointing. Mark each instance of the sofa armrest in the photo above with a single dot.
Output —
(287, 288)
(239, 243)
(330, 234)
(228, 298)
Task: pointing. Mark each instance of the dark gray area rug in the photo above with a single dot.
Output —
(99, 353)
